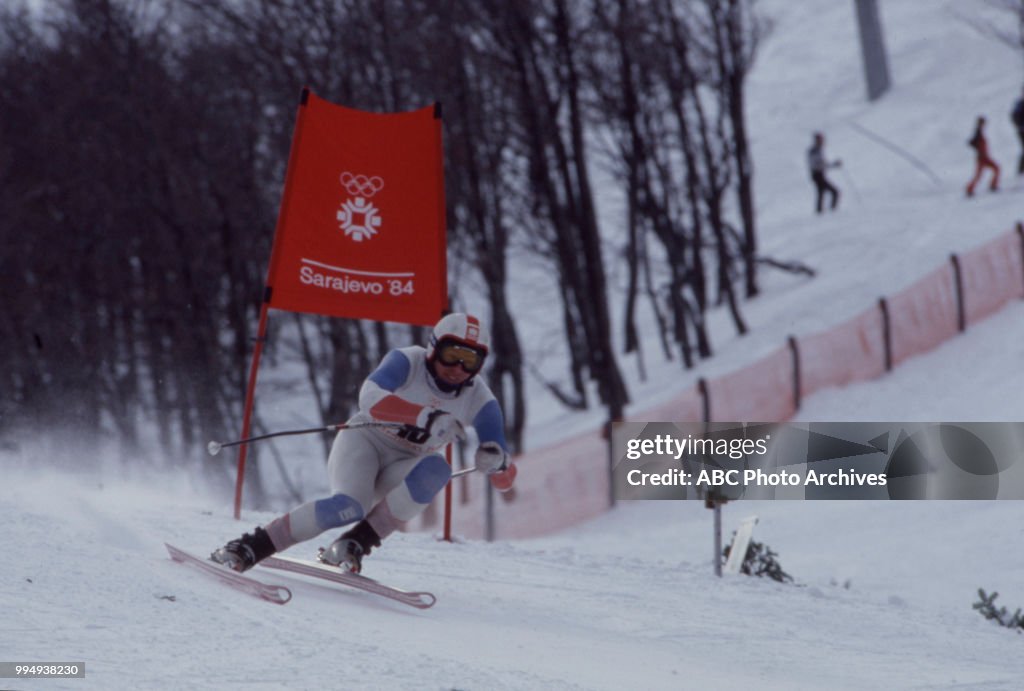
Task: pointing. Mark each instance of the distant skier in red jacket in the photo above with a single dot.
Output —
(983, 160)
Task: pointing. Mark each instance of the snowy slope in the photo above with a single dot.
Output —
(896, 222)
(628, 600)
(974, 377)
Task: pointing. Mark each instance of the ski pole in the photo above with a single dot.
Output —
(214, 447)
(464, 471)
(849, 180)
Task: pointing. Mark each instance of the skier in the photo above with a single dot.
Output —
(982, 159)
(817, 164)
(381, 477)
(1018, 122)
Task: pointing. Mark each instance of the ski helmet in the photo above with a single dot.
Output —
(460, 329)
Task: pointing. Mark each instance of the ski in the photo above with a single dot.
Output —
(420, 600)
(277, 594)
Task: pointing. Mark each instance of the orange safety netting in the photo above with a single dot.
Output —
(924, 314)
(992, 275)
(851, 351)
(760, 392)
(557, 486)
(568, 482)
(687, 407)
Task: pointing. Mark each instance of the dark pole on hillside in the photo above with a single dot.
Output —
(718, 539)
(872, 47)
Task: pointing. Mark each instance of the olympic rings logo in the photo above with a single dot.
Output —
(361, 185)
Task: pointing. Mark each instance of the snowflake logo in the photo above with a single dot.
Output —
(359, 219)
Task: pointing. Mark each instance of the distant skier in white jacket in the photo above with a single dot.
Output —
(817, 164)
(381, 477)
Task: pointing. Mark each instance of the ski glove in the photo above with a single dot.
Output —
(442, 426)
(503, 479)
(490, 458)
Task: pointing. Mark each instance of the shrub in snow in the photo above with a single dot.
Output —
(761, 561)
(986, 605)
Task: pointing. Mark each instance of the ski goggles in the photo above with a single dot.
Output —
(450, 353)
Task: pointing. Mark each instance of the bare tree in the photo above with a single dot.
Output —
(537, 46)
(173, 125)
(736, 32)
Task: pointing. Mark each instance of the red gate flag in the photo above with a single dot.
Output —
(361, 230)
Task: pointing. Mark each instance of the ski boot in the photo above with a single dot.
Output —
(347, 551)
(245, 552)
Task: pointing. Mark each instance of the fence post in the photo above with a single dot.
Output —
(717, 541)
(794, 349)
(958, 283)
(609, 431)
(883, 306)
(705, 397)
